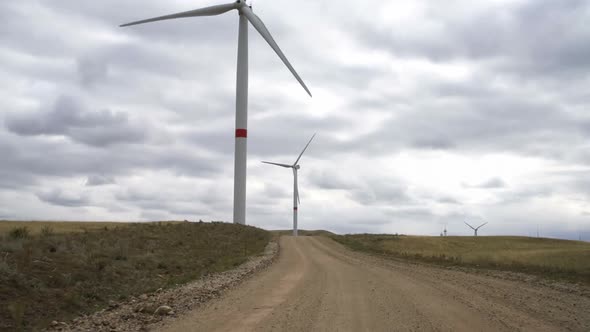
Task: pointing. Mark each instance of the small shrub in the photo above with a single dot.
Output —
(100, 265)
(46, 231)
(5, 268)
(19, 233)
(24, 257)
(72, 299)
(123, 251)
(17, 312)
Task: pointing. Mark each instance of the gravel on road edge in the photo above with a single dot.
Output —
(140, 313)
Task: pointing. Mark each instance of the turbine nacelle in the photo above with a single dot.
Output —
(242, 3)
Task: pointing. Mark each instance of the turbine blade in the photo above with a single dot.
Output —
(305, 148)
(261, 28)
(469, 225)
(481, 225)
(207, 11)
(282, 165)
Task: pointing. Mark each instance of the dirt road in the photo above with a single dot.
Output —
(318, 285)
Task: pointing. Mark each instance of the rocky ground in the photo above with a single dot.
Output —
(142, 313)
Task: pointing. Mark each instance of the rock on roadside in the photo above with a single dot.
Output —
(163, 310)
(138, 313)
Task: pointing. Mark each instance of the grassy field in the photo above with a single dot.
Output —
(35, 227)
(559, 259)
(59, 271)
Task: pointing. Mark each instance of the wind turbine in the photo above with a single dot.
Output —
(475, 228)
(246, 15)
(295, 168)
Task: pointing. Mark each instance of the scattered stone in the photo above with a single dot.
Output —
(143, 297)
(59, 325)
(150, 308)
(163, 310)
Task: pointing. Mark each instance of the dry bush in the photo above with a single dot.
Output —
(19, 233)
(47, 231)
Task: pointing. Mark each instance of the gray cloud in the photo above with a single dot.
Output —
(492, 183)
(60, 198)
(91, 70)
(536, 37)
(448, 200)
(69, 118)
(99, 180)
(276, 191)
(157, 202)
(332, 180)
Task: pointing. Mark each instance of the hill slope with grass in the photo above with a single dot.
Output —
(553, 258)
(47, 275)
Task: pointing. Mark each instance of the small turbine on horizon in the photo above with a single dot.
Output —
(475, 228)
(295, 168)
(246, 15)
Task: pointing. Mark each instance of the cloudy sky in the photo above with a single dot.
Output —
(427, 114)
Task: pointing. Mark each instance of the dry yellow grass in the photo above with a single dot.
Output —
(35, 227)
(550, 257)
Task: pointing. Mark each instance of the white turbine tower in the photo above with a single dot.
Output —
(475, 228)
(246, 15)
(295, 168)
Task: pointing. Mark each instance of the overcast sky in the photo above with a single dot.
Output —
(427, 113)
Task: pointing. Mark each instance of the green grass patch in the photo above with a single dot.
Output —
(552, 258)
(52, 274)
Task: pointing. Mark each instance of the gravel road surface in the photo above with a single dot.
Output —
(318, 285)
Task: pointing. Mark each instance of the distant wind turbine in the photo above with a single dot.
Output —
(295, 168)
(246, 15)
(476, 228)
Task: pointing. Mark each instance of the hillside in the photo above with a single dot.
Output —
(47, 275)
(552, 258)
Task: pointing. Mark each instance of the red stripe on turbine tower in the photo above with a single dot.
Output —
(295, 208)
(241, 133)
